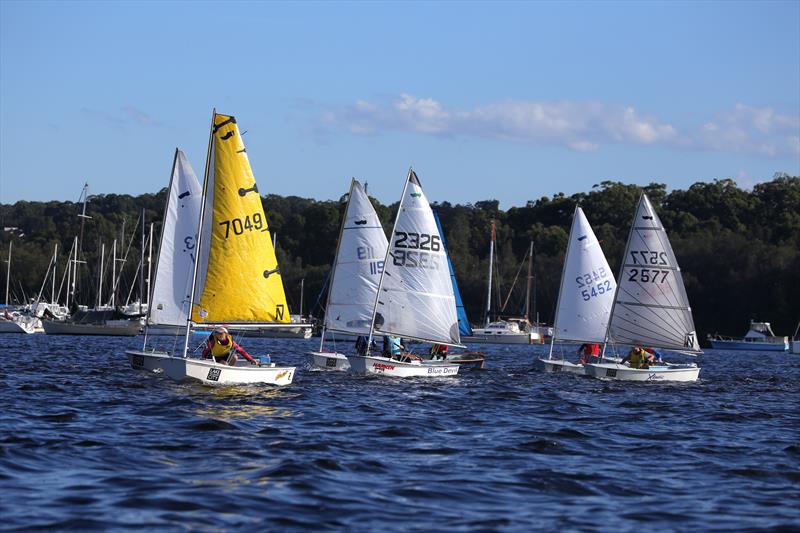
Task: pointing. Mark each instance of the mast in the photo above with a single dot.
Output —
(335, 258)
(141, 269)
(385, 260)
(100, 275)
(302, 284)
(79, 250)
(199, 235)
(55, 266)
(149, 264)
(8, 271)
(489, 292)
(528, 285)
(114, 273)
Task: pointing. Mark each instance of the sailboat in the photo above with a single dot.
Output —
(355, 276)
(176, 254)
(11, 320)
(512, 331)
(236, 279)
(650, 304)
(415, 298)
(585, 297)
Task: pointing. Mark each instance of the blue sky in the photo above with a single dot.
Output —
(507, 101)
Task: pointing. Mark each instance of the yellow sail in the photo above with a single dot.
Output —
(241, 281)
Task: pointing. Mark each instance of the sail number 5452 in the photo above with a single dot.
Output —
(239, 225)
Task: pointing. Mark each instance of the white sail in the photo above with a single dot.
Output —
(176, 254)
(651, 307)
(358, 267)
(416, 298)
(587, 287)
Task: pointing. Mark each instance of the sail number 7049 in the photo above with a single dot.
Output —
(239, 226)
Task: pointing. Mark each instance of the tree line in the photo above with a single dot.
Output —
(739, 249)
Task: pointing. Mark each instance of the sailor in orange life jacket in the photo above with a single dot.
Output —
(588, 351)
(221, 346)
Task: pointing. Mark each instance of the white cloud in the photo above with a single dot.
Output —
(580, 126)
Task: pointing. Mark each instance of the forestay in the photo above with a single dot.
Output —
(358, 266)
(651, 306)
(238, 279)
(416, 299)
(587, 288)
(176, 254)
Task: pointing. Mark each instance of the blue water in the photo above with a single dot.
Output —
(88, 443)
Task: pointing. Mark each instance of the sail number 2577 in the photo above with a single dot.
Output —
(239, 225)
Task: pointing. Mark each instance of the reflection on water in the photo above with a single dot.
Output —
(88, 443)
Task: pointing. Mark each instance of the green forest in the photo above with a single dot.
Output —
(739, 249)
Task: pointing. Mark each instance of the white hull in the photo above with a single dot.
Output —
(369, 364)
(329, 361)
(120, 328)
(560, 365)
(619, 372)
(795, 347)
(208, 372)
(499, 338)
(12, 326)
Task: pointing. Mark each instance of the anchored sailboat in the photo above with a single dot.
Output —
(236, 279)
(415, 295)
(356, 273)
(650, 305)
(585, 297)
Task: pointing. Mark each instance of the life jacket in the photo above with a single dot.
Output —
(637, 359)
(221, 350)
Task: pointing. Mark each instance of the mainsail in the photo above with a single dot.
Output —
(587, 288)
(415, 299)
(358, 266)
(238, 278)
(651, 306)
(464, 327)
(176, 254)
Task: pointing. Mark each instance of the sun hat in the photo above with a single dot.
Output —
(221, 329)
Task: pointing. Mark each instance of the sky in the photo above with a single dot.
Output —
(486, 100)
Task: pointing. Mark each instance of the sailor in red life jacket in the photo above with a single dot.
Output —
(222, 347)
(587, 352)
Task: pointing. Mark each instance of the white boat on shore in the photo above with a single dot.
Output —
(235, 279)
(650, 305)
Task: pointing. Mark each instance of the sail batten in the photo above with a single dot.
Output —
(238, 279)
(651, 306)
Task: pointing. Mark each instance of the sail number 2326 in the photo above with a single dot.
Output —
(239, 226)
(417, 252)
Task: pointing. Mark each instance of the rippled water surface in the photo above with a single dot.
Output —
(86, 442)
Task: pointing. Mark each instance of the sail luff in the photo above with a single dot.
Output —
(336, 260)
(563, 280)
(199, 235)
(385, 262)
